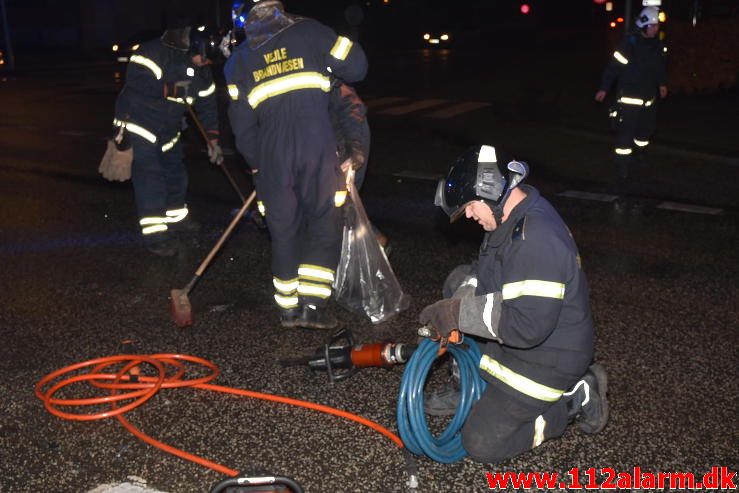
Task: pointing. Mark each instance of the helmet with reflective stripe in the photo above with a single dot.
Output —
(648, 16)
(480, 173)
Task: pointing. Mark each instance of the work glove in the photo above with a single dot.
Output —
(215, 153)
(116, 165)
(442, 316)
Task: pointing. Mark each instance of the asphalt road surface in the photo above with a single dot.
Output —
(76, 284)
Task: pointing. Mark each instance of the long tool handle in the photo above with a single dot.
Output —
(225, 234)
(207, 142)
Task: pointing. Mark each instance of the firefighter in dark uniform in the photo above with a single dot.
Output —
(163, 77)
(279, 81)
(528, 297)
(639, 66)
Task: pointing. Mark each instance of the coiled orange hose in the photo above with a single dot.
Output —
(140, 388)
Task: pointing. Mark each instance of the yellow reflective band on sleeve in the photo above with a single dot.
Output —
(288, 83)
(544, 289)
(261, 208)
(141, 131)
(618, 56)
(318, 290)
(519, 382)
(285, 287)
(341, 48)
(623, 152)
(209, 91)
(233, 91)
(286, 301)
(169, 145)
(148, 63)
(316, 273)
(641, 143)
(634, 101)
(340, 198)
(176, 215)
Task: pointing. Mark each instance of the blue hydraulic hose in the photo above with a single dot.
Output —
(412, 425)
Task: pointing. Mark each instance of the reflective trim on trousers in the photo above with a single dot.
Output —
(519, 382)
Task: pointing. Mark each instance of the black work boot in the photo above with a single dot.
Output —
(316, 317)
(289, 317)
(588, 406)
(443, 402)
(163, 248)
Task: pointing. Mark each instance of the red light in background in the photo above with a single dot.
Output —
(620, 19)
(525, 9)
(599, 2)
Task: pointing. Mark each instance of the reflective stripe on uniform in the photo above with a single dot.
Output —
(487, 313)
(341, 48)
(148, 63)
(340, 198)
(621, 151)
(233, 91)
(176, 215)
(140, 131)
(169, 145)
(209, 91)
(261, 208)
(322, 291)
(641, 143)
(285, 287)
(519, 382)
(618, 56)
(633, 101)
(286, 301)
(152, 224)
(539, 426)
(316, 273)
(288, 83)
(544, 289)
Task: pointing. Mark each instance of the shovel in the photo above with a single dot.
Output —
(179, 302)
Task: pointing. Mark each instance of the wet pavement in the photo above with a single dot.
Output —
(76, 285)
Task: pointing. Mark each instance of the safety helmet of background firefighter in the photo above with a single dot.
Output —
(480, 173)
(648, 16)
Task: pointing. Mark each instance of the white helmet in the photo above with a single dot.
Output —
(648, 15)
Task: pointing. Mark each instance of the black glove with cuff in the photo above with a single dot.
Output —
(442, 316)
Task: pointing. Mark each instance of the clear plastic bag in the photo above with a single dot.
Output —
(365, 282)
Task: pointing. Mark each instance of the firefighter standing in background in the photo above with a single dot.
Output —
(279, 81)
(528, 297)
(639, 65)
(163, 77)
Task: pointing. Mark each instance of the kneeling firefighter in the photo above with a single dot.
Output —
(528, 297)
(164, 77)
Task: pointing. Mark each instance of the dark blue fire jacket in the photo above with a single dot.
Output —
(532, 300)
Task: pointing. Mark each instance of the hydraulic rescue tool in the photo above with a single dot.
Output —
(179, 302)
(342, 358)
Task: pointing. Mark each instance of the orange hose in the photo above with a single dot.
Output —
(141, 388)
